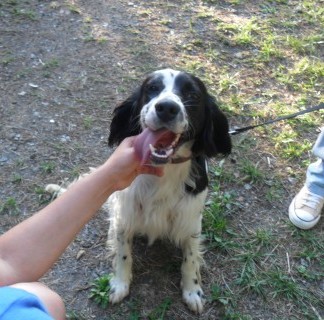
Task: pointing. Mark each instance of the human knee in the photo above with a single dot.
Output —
(51, 300)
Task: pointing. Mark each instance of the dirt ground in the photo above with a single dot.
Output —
(64, 66)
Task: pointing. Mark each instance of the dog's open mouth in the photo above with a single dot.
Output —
(156, 146)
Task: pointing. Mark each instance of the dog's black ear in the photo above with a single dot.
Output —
(125, 122)
(215, 138)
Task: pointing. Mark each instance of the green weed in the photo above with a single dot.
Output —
(227, 82)
(239, 33)
(225, 297)
(73, 8)
(306, 75)
(25, 13)
(251, 171)
(51, 64)
(43, 196)
(47, 167)
(9, 206)
(100, 291)
(284, 286)
(73, 315)
(159, 312)
(289, 145)
(88, 122)
(16, 178)
(269, 49)
(7, 60)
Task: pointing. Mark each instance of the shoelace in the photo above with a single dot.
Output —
(311, 200)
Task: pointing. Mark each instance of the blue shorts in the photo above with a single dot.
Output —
(17, 304)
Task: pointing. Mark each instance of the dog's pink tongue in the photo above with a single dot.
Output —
(142, 143)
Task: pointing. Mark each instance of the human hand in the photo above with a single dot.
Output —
(125, 166)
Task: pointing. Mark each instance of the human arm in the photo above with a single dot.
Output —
(28, 250)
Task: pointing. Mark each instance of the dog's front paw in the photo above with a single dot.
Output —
(194, 299)
(118, 290)
(54, 189)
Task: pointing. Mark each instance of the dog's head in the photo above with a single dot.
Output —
(173, 109)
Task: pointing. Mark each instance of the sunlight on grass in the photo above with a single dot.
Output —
(289, 146)
(240, 33)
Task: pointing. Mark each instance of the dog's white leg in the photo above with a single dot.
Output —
(120, 282)
(192, 293)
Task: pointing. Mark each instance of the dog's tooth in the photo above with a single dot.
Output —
(152, 148)
(176, 140)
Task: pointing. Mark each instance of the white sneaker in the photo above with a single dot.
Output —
(305, 209)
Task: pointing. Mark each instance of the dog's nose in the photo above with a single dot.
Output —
(167, 110)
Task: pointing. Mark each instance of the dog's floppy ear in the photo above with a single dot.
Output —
(125, 122)
(215, 138)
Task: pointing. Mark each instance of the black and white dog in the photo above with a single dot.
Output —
(181, 127)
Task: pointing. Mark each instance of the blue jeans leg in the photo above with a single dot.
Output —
(315, 171)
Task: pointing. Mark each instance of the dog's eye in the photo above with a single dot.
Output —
(192, 95)
(153, 88)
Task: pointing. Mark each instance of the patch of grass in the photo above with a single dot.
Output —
(101, 39)
(160, 311)
(215, 226)
(51, 64)
(166, 22)
(248, 277)
(16, 178)
(220, 203)
(43, 196)
(75, 172)
(227, 82)
(100, 290)
(88, 122)
(303, 45)
(306, 75)
(312, 11)
(222, 296)
(73, 315)
(9, 3)
(251, 171)
(47, 167)
(312, 245)
(262, 237)
(312, 69)
(269, 49)
(239, 33)
(134, 307)
(229, 302)
(73, 7)
(7, 60)
(25, 13)
(306, 273)
(275, 191)
(289, 145)
(9, 206)
(284, 286)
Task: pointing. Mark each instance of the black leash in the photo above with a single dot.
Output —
(289, 116)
